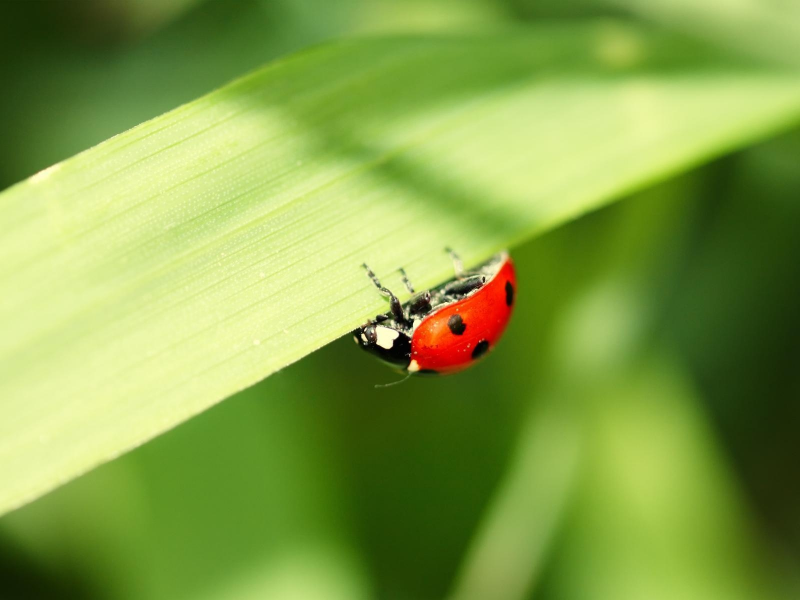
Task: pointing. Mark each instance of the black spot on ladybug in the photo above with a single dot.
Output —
(456, 324)
(427, 372)
(509, 293)
(480, 349)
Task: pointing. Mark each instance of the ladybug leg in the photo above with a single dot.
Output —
(458, 266)
(419, 304)
(406, 282)
(394, 303)
(462, 287)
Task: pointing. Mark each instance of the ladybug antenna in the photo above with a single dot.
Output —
(385, 385)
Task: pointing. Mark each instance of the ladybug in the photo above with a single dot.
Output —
(448, 328)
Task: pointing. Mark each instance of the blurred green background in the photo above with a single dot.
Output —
(633, 437)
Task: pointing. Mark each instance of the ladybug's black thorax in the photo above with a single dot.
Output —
(386, 342)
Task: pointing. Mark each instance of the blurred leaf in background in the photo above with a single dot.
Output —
(633, 437)
(105, 84)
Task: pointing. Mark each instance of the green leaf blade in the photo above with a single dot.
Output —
(158, 273)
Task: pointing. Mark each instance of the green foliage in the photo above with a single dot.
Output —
(188, 258)
(150, 277)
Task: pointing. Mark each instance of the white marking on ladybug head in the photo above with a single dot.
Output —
(385, 337)
(363, 337)
(413, 366)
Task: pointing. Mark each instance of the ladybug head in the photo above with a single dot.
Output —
(387, 343)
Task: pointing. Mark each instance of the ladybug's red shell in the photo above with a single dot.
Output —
(454, 336)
